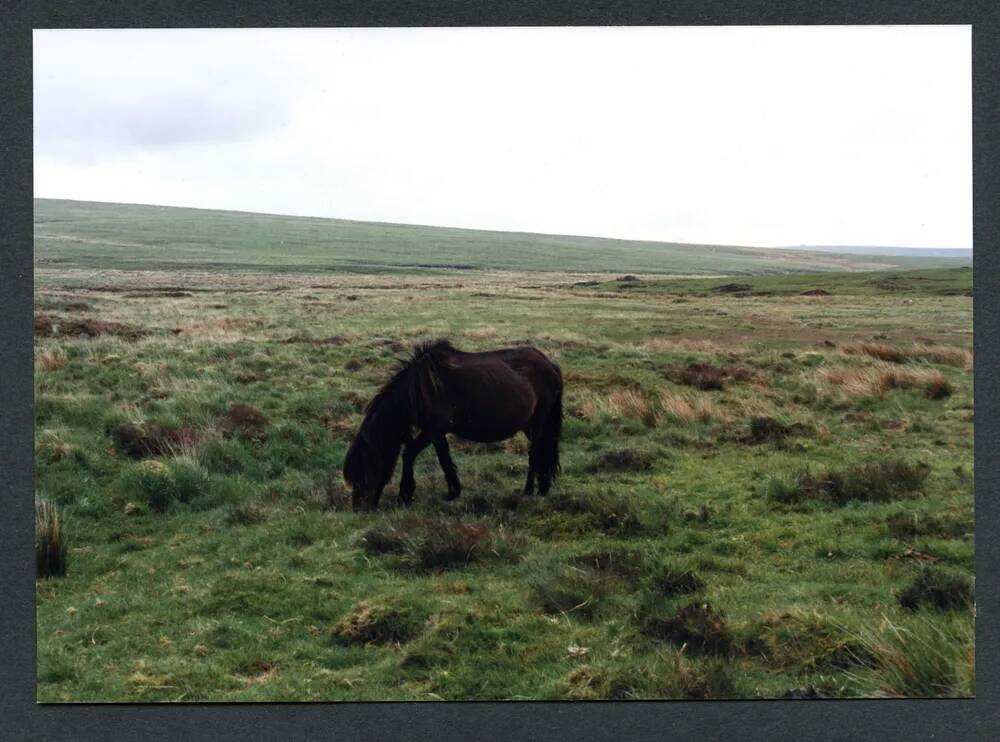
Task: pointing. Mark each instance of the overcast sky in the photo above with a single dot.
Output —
(747, 136)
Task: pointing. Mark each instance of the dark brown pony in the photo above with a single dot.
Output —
(482, 397)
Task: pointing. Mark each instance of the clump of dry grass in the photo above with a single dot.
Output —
(880, 379)
(927, 658)
(50, 545)
(50, 446)
(50, 359)
(619, 403)
(943, 354)
(687, 407)
(374, 622)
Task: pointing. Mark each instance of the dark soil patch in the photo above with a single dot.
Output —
(816, 292)
(628, 279)
(47, 325)
(245, 421)
(142, 440)
(77, 306)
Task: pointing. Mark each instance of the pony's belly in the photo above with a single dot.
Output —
(485, 434)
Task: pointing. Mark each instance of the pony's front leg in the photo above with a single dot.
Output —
(448, 467)
(407, 485)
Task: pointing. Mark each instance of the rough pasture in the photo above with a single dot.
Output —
(747, 507)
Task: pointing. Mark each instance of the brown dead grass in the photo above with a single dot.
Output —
(879, 380)
(943, 354)
(688, 407)
(50, 359)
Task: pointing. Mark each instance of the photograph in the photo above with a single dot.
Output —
(593, 363)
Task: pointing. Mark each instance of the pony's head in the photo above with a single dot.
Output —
(371, 458)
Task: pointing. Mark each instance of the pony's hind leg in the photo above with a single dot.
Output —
(529, 484)
(448, 467)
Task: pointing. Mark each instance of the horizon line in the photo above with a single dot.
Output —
(801, 246)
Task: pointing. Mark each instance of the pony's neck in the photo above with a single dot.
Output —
(389, 417)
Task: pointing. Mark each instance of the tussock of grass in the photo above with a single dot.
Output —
(768, 429)
(50, 541)
(906, 525)
(942, 354)
(615, 513)
(877, 381)
(378, 622)
(639, 565)
(50, 358)
(695, 624)
(246, 514)
(706, 376)
(687, 407)
(939, 588)
(673, 677)
(163, 485)
(433, 543)
(876, 481)
(557, 587)
(799, 640)
(49, 446)
(923, 659)
(139, 440)
(624, 459)
(244, 420)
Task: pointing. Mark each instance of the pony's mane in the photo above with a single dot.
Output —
(424, 361)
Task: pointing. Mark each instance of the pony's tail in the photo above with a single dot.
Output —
(548, 445)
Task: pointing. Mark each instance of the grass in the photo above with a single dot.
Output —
(752, 540)
(88, 235)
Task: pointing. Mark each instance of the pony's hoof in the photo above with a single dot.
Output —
(452, 495)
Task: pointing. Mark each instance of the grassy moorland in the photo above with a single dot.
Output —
(96, 235)
(761, 494)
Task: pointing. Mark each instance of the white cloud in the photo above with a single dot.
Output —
(768, 136)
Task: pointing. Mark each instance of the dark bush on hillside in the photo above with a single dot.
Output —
(940, 588)
(373, 622)
(696, 624)
(50, 542)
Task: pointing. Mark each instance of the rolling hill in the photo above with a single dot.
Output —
(125, 236)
